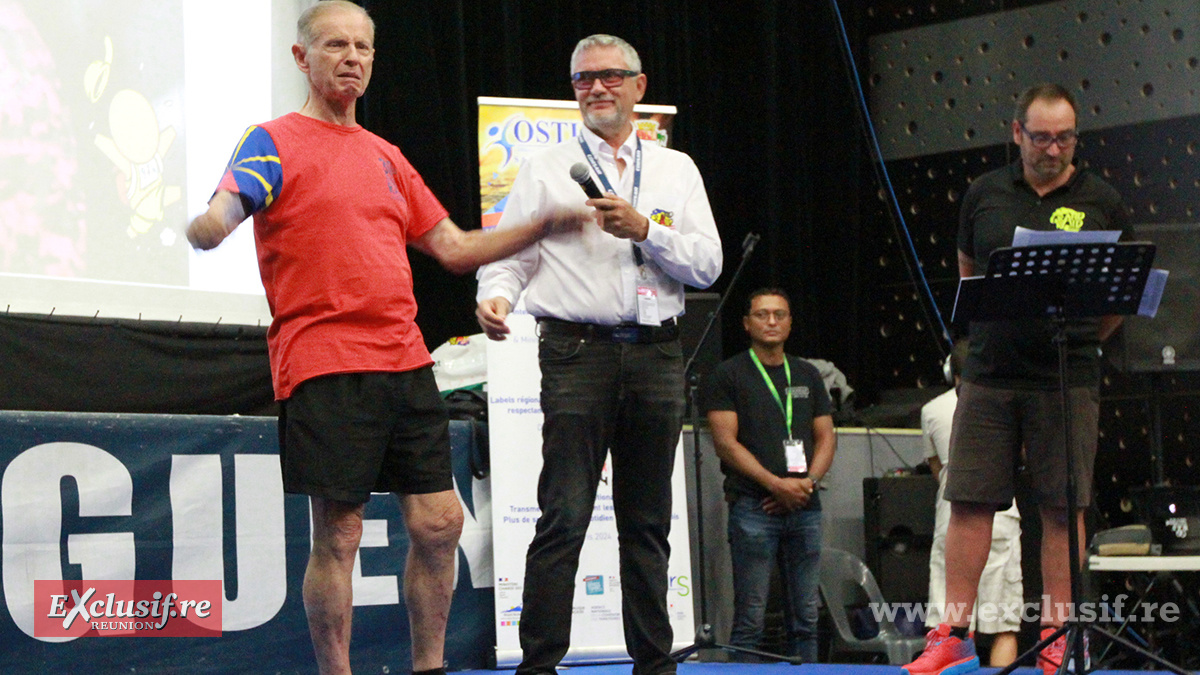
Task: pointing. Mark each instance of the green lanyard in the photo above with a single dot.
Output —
(787, 372)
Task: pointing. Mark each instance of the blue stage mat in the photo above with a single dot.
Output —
(690, 668)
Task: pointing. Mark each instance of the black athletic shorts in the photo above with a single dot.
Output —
(345, 436)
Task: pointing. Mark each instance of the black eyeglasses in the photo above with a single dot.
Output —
(609, 77)
(1042, 139)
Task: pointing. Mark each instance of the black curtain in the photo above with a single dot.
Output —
(86, 365)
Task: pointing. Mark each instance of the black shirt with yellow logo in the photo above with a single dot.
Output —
(1021, 353)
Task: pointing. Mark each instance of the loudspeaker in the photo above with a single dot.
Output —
(1171, 340)
(898, 514)
(698, 308)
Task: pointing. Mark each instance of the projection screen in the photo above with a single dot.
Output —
(116, 120)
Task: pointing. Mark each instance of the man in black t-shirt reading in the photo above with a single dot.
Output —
(1009, 400)
(772, 426)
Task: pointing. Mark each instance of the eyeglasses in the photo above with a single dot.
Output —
(609, 77)
(764, 314)
(1042, 139)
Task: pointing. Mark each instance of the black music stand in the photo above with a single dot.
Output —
(1061, 282)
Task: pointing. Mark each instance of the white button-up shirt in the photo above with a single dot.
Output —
(591, 276)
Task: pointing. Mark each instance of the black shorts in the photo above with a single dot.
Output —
(991, 425)
(345, 436)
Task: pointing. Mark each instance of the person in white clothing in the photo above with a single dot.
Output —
(999, 604)
(606, 302)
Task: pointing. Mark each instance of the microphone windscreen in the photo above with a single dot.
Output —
(579, 173)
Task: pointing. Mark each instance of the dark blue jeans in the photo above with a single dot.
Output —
(757, 542)
(600, 398)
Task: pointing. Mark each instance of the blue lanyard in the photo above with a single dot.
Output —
(637, 181)
(637, 168)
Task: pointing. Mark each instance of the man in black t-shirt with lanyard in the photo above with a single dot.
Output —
(772, 426)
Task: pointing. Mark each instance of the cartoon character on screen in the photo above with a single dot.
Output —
(95, 78)
(137, 147)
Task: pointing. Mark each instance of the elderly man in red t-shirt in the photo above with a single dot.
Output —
(335, 208)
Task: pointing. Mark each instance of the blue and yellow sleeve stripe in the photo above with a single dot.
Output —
(254, 171)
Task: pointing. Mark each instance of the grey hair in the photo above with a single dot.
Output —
(304, 25)
(632, 61)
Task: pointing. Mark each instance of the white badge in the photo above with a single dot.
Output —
(647, 306)
(794, 450)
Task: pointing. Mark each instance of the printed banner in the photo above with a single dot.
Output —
(113, 522)
(509, 130)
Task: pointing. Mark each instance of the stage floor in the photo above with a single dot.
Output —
(694, 668)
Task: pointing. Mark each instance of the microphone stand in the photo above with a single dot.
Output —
(704, 631)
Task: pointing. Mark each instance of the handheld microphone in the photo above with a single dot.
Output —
(581, 175)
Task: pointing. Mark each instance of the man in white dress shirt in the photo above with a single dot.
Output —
(606, 302)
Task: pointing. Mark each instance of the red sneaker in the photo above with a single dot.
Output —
(1052, 656)
(944, 654)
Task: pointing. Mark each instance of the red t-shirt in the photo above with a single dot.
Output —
(334, 209)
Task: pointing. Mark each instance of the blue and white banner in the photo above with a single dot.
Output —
(174, 497)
